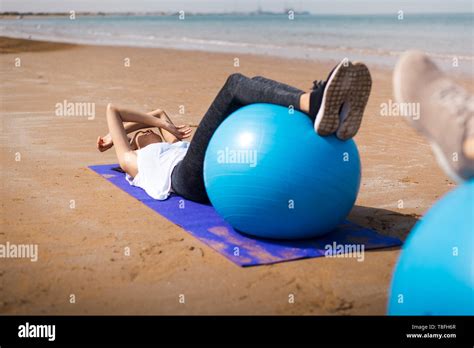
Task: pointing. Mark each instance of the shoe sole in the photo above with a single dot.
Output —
(358, 96)
(441, 157)
(335, 93)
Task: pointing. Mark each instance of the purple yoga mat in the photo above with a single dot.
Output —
(203, 222)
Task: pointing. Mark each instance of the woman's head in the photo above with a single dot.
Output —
(144, 138)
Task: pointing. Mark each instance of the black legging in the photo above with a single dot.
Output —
(187, 178)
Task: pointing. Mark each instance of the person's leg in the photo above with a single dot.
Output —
(187, 177)
(238, 91)
(277, 84)
(305, 99)
(247, 91)
(338, 103)
(445, 112)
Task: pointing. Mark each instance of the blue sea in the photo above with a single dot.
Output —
(377, 39)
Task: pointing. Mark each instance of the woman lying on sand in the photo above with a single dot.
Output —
(163, 163)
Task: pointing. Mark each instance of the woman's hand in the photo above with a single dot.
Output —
(104, 143)
(181, 132)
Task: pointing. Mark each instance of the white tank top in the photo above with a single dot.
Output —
(155, 165)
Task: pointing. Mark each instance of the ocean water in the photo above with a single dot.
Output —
(377, 39)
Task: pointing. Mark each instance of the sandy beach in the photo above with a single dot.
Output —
(82, 223)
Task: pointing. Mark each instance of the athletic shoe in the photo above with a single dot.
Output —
(446, 116)
(356, 100)
(327, 98)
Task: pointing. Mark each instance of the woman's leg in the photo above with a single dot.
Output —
(279, 84)
(187, 177)
(305, 97)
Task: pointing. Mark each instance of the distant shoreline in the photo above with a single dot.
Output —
(17, 15)
(159, 13)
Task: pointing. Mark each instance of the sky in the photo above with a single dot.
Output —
(205, 6)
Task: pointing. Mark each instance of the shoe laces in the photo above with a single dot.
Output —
(318, 84)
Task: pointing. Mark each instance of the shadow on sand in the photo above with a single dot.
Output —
(386, 222)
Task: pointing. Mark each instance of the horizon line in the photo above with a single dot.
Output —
(256, 12)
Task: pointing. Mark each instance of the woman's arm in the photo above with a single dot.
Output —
(105, 142)
(136, 120)
(134, 126)
(116, 117)
(126, 156)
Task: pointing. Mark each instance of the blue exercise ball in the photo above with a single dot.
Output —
(435, 271)
(270, 175)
